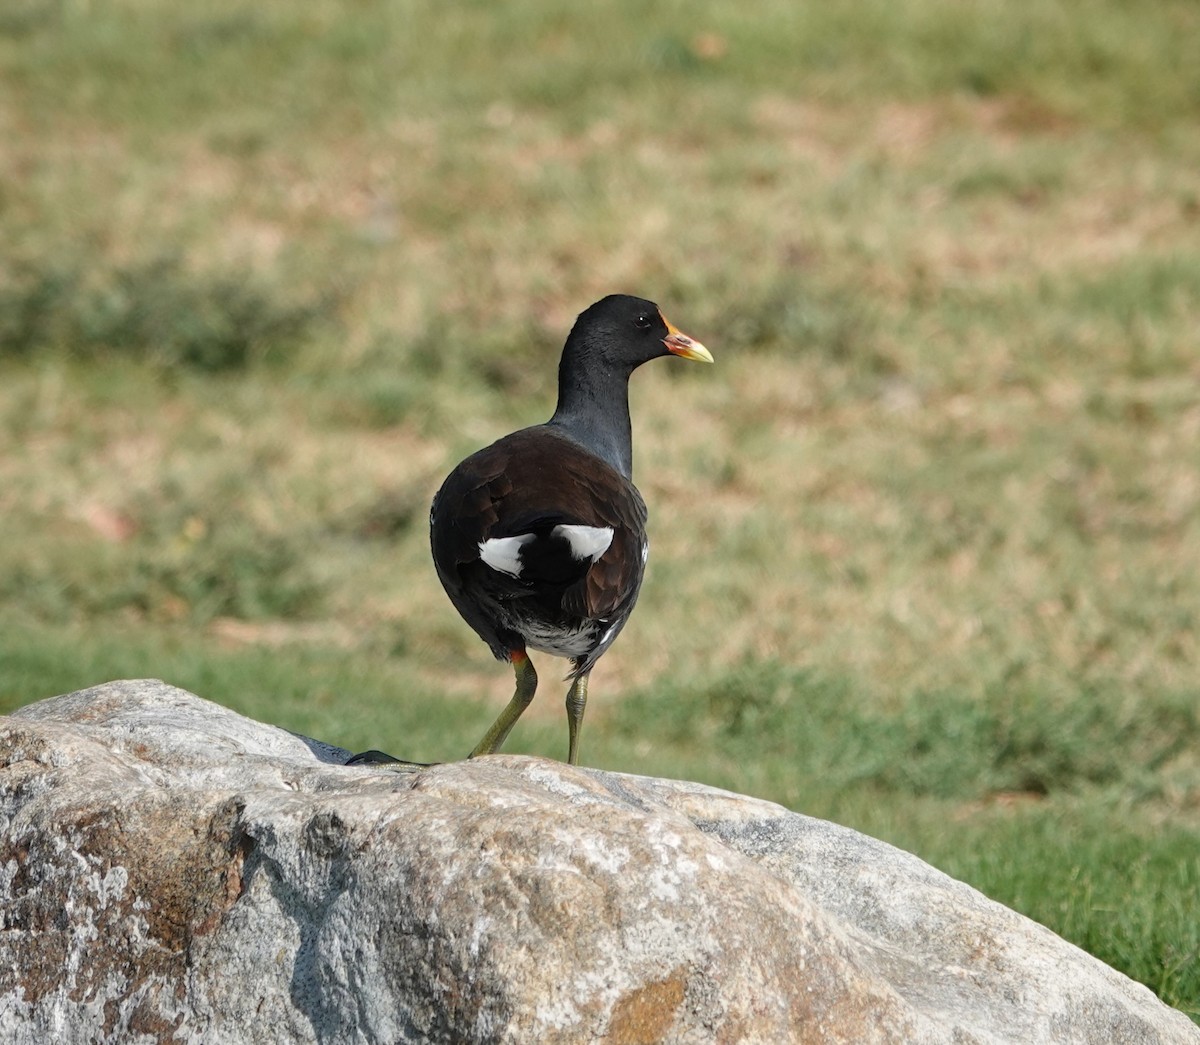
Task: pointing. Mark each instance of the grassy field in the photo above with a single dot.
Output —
(926, 541)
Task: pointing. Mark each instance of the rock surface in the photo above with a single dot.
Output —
(173, 872)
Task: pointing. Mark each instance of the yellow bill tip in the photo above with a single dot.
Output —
(679, 344)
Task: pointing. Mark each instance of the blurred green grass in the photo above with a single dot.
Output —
(927, 539)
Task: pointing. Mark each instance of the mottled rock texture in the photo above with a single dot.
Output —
(173, 872)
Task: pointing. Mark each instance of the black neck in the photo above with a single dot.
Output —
(593, 409)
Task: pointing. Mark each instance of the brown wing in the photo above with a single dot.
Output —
(533, 480)
(614, 578)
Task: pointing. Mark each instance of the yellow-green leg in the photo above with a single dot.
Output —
(494, 738)
(576, 702)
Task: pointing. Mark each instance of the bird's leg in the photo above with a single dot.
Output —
(494, 738)
(576, 702)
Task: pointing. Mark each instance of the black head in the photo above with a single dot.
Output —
(621, 332)
(609, 340)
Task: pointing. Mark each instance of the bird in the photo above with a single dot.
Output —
(540, 538)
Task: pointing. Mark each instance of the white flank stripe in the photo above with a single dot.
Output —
(587, 542)
(503, 554)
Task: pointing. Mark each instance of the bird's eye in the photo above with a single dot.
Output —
(643, 322)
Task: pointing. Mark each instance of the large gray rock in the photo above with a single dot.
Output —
(173, 872)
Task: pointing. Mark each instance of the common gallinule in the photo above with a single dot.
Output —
(540, 538)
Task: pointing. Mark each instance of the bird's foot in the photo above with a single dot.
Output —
(382, 758)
